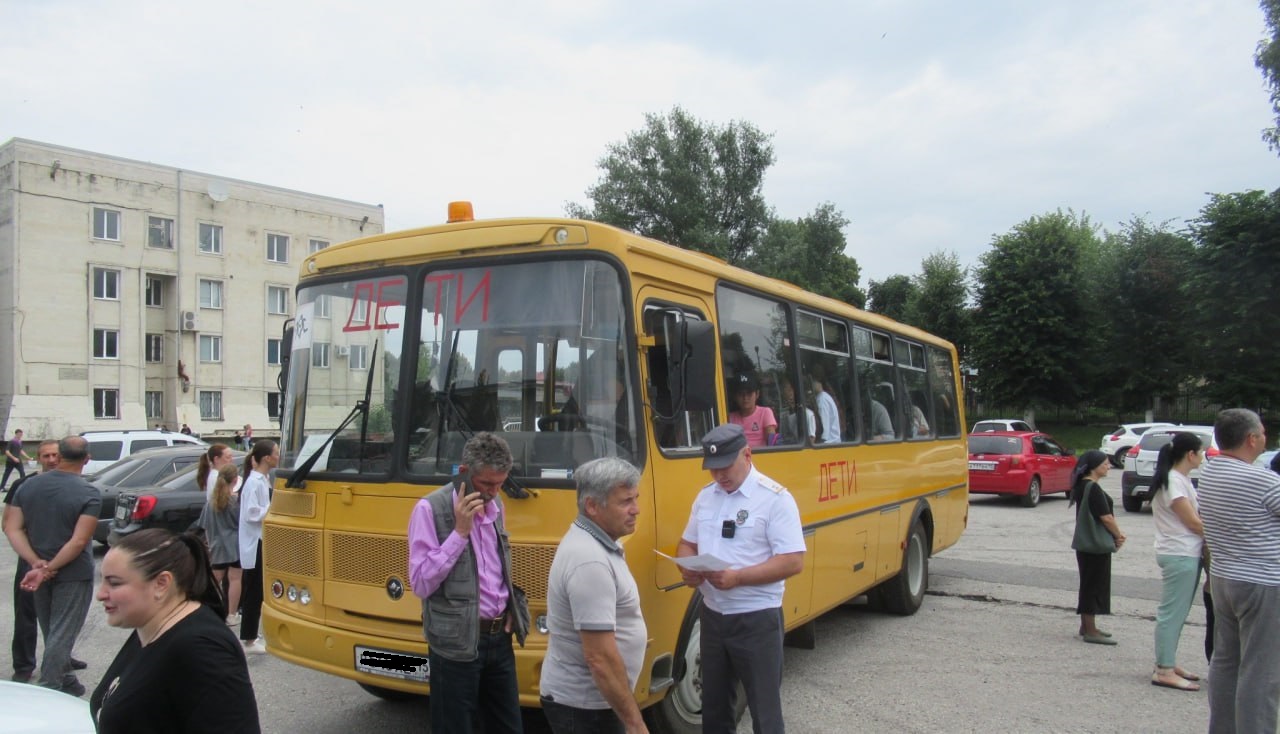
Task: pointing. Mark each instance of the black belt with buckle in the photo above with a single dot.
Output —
(493, 626)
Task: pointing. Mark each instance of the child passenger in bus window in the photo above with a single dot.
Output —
(757, 421)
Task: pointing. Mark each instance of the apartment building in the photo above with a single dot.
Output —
(134, 294)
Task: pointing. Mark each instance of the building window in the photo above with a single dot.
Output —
(277, 299)
(155, 292)
(315, 246)
(106, 224)
(273, 351)
(278, 248)
(211, 405)
(211, 239)
(322, 307)
(106, 402)
(160, 232)
(106, 284)
(106, 344)
(320, 354)
(155, 348)
(359, 311)
(155, 404)
(210, 293)
(210, 348)
(274, 401)
(358, 357)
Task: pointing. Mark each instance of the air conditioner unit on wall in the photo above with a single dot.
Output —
(187, 322)
(341, 350)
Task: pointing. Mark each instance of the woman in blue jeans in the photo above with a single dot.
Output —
(1179, 546)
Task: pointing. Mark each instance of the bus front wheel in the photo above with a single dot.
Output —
(903, 594)
(681, 711)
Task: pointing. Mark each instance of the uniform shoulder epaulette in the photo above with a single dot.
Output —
(771, 485)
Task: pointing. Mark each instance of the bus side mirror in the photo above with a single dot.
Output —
(691, 365)
(286, 347)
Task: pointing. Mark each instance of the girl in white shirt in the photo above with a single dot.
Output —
(1179, 545)
(255, 498)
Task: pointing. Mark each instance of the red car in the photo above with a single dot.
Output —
(1025, 464)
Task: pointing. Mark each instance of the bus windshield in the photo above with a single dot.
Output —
(532, 350)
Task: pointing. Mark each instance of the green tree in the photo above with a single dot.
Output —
(1237, 274)
(1267, 59)
(889, 297)
(809, 252)
(939, 300)
(1143, 306)
(1030, 338)
(686, 182)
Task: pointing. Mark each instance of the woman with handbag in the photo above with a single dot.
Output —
(1179, 546)
(1097, 536)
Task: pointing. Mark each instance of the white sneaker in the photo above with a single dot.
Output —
(254, 648)
(233, 620)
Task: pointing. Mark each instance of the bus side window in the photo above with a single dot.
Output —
(942, 385)
(878, 402)
(912, 373)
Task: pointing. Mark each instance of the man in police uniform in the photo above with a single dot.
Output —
(752, 522)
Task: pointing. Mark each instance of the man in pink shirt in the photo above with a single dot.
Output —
(460, 565)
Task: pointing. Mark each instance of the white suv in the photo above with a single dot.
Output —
(1119, 441)
(108, 447)
(1140, 462)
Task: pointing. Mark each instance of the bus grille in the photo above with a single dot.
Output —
(291, 550)
(293, 504)
(372, 559)
(531, 564)
(367, 559)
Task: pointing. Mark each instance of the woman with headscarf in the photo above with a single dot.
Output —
(1094, 567)
(1179, 547)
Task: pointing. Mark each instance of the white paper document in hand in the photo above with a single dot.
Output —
(703, 562)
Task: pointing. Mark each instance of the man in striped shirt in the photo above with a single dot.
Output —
(1240, 506)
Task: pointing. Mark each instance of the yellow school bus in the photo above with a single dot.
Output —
(574, 340)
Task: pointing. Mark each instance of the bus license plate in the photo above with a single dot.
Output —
(982, 466)
(392, 664)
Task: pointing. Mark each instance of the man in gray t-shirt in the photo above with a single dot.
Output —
(50, 525)
(593, 609)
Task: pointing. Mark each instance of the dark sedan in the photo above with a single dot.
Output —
(141, 469)
(174, 505)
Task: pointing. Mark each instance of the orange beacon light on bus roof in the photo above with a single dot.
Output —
(460, 211)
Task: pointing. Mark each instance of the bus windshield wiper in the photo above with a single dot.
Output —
(361, 408)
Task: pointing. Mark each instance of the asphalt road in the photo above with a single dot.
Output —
(993, 649)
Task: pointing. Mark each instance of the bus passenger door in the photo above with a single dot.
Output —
(676, 430)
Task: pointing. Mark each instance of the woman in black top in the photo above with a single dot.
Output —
(181, 670)
(1095, 568)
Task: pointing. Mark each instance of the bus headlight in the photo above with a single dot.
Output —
(541, 624)
(277, 589)
(304, 596)
(293, 593)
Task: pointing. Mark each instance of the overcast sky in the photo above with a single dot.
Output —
(930, 125)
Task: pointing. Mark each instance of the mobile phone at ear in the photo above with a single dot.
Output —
(457, 480)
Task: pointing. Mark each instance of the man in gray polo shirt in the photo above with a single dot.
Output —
(50, 525)
(598, 635)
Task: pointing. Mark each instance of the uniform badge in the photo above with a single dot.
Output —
(742, 516)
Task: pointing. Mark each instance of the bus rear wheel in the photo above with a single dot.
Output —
(903, 594)
(681, 711)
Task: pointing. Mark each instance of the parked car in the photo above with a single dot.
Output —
(1025, 464)
(143, 469)
(108, 447)
(1001, 424)
(1264, 460)
(1140, 462)
(175, 504)
(1117, 443)
(28, 709)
